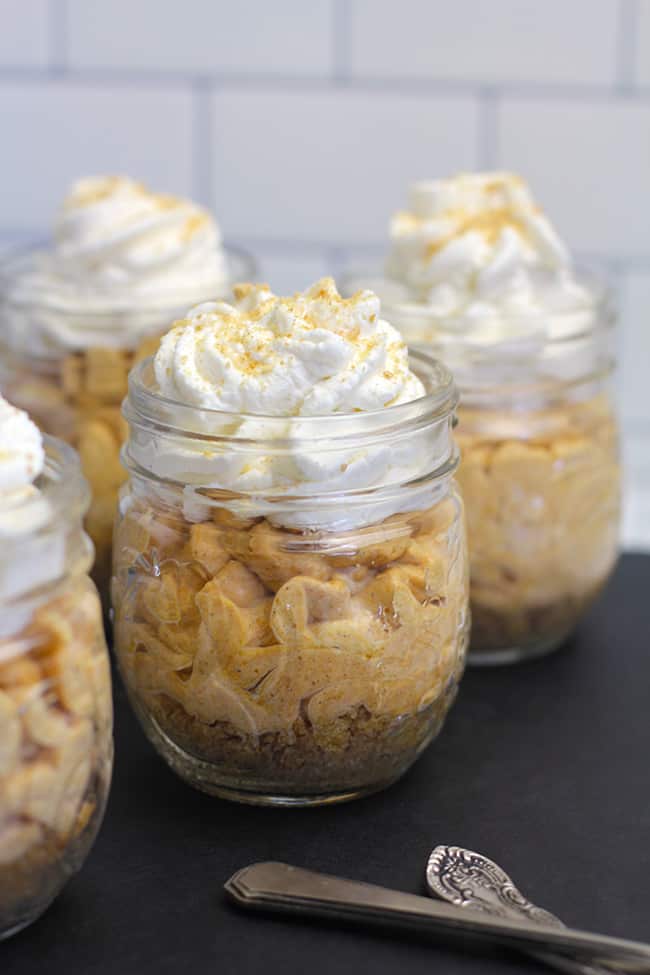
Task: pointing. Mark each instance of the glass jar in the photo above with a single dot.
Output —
(303, 645)
(74, 390)
(540, 471)
(56, 747)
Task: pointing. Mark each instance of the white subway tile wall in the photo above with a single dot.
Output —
(24, 33)
(282, 37)
(635, 347)
(589, 162)
(642, 47)
(477, 41)
(53, 131)
(290, 272)
(330, 166)
(301, 124)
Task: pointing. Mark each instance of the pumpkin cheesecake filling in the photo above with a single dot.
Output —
(240, 638)
(55, 687)
(55, 746)
(542, 495)
(290, 656)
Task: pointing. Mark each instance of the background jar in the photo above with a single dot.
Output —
(287, 648)
(56, 747)
(73, 386)
(540, 470)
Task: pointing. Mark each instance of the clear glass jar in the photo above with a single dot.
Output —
(540, 471)
(56, 747)
(76, 394)
(290, 665)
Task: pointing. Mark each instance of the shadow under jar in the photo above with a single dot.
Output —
(56, 746)
(540, 471)
(73, 384)
(285, 648)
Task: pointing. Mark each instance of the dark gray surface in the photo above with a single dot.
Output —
(544, 767)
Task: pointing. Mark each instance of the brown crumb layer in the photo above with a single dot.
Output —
(354, 751)
(527, 626)
(28, 885)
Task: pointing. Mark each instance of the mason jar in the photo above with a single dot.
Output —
(74, 387)
(301, 646)
(540, 471)
(56, 746)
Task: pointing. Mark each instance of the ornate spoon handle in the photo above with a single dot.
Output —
(280, 887)
(470, 880)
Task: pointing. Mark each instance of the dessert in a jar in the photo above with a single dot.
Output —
(478, 275)
(290, 578)
(74, 317)
(56, 746)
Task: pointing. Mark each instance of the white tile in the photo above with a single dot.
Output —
(54, 133)
(287, 272)
(643, 44)
(636, 500)
(486, 40)
(589, 164)
(285, 37)
(635, 348)
(24, 33)
(635, 530)
(636, 457)
(330, 166)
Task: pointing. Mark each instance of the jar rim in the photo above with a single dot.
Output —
(524, 395)
(144, 402)
(61, 485)
(241, 265)
(317, 472)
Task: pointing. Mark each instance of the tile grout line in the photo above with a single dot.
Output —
(340, 26)
(628, 22)
(57, 14)
(405, 87)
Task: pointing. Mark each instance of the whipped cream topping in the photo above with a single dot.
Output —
(489, 270)
(124, 261)
(21, 452)
(30, 559)
(280, 369)
(313, 354)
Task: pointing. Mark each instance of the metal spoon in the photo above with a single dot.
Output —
(468, 879)
(287, 889)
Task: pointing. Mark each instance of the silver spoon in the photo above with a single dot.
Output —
(468, 879)
(287, 889)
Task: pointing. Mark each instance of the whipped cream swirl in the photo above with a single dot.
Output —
(475, 242)
(489, 271)
(32, 554)
(124, 261)
(310, 355)
(21, 453)
(268, 377)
